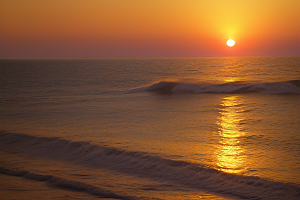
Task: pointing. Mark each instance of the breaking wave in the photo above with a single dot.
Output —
(288, 87)
(195, 176)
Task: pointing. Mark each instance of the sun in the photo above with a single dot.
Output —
(230, 43)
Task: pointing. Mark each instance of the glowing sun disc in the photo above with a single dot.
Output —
(230, 43)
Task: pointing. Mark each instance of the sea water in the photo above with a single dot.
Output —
(167, 128)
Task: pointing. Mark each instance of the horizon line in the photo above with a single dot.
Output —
(167, 57)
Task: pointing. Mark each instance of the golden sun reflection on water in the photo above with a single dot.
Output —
(229, 152)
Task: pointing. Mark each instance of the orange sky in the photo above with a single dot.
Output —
(148, 28)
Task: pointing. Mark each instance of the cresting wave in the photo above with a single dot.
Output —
(192, 175)
(288, 87)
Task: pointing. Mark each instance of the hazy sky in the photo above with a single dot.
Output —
(148, 28)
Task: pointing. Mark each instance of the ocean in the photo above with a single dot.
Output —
(150, 129)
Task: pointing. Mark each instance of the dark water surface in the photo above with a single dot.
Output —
(188, 128)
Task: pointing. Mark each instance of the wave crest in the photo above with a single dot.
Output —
(288, 87)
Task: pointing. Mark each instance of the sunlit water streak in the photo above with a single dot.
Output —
(230, 152)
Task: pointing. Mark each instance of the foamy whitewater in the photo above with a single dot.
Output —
(150, 129)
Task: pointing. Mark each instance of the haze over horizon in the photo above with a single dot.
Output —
(145, 29)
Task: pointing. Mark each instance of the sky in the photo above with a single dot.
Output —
(148, 28)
